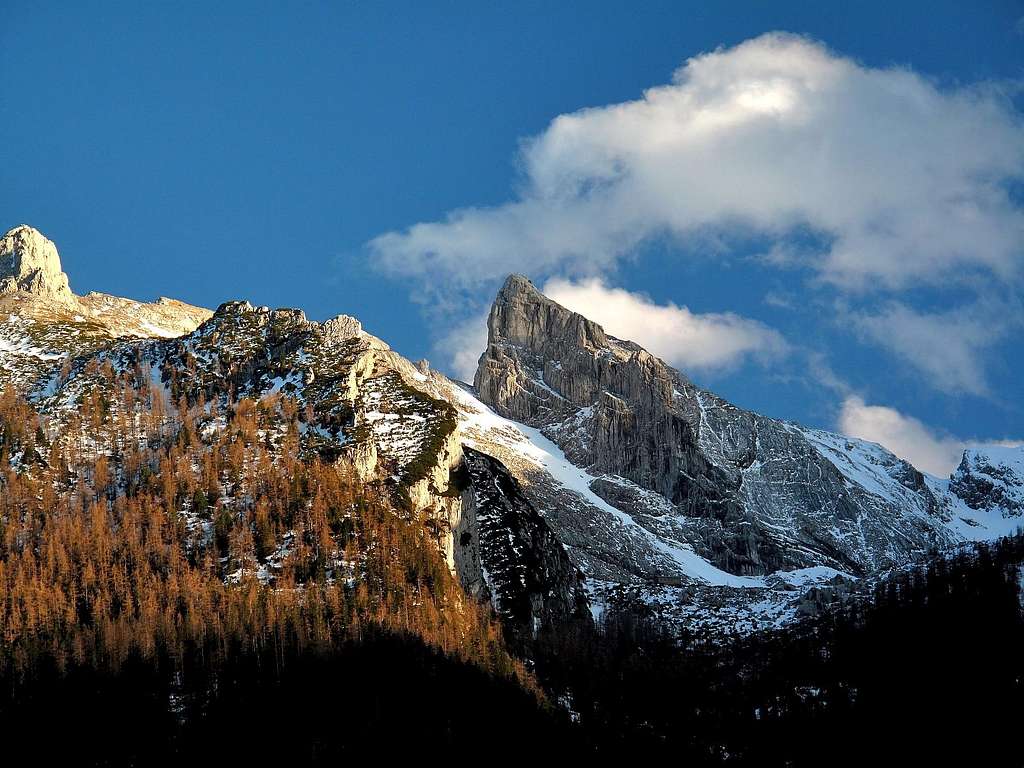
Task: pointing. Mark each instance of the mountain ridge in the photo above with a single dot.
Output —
(621, 476)
(756, 494)
(45, 324)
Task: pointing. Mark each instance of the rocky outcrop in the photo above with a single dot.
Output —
(750, 494)
(43, 325)
(991, 478)
(357, 401)
(544, 363)
(530, 577)
(29, 263)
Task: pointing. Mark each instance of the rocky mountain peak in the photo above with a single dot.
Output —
(29, 263)
(749, 494)
(991, 477)
(523, 316)
(517, 285)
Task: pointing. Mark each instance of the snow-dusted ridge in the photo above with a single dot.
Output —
(742, 603)
(997, 473)
(656, 490)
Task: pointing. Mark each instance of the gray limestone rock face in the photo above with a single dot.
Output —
(751, 494)
(29, 263)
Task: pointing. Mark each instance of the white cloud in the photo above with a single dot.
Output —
(905, 436)
(685, 339)
(462, 346)
(946, 346)
(904, 181)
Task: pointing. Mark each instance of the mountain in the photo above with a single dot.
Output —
(675, 487)
(991, 478)
(356, 399)
(44, 325)
(200, 510)
(577, 473)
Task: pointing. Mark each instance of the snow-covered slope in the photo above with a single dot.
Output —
(627, 561)
(563, 492)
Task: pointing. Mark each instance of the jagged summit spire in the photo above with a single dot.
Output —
(521, 314)
(524, 319)
(516, 283)
(29, 263)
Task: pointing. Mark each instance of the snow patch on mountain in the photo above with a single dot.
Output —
(482, 427)
(868, 466)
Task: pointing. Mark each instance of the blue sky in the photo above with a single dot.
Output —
(795, 256)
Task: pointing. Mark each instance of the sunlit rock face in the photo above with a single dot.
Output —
(29, 263)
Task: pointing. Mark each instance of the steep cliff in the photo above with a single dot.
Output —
(532, 580)
(991, 478)
(751, 494)
(29, 263)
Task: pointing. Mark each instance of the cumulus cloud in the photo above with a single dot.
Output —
(901, 180)
(462, 346)
(910, 439)
(685, 339)
(948, 346)
(904, 435)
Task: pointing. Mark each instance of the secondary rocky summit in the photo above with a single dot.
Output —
(29, 263)
(44, 324)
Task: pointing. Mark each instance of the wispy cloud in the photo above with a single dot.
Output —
(687, 340)
(927, 449)
(904, 435)
(948, 347)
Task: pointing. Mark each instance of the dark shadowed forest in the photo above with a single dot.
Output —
(926, 668)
